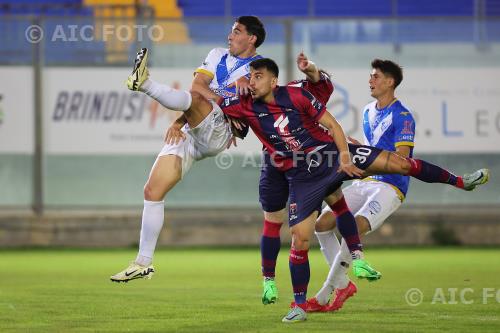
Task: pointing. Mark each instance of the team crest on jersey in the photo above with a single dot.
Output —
(407, 127)
(375, 207)
(293, 212)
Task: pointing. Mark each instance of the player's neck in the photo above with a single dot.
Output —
(247, 54)
(269, 98)
(385, 100)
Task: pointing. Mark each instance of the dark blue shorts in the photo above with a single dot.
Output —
(363, 156)
(309, 183)
(273, 186)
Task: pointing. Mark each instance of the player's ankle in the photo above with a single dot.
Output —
(143, 261)
(357, 254)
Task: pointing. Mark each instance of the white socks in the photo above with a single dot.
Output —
(338, 272)
(152, 222)
(330, 245)
(334, 254)
(173, 99)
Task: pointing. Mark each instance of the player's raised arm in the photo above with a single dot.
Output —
(336, 131)
(308, 67)
(201, 84)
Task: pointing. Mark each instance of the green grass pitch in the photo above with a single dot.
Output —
(219, 290)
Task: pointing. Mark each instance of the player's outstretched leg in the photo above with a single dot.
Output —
(476, 178)
(134, 271)
(195, 106)
(389, 162)
(140, 71)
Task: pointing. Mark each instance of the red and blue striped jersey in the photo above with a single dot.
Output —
(322, 89)
(288, 125)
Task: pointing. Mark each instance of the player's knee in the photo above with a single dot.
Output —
(150, 194)
(300, 240)
(399, 165)
(363, 225)
(405, 166)
(326, 222)
(157, 192)
(276, 217)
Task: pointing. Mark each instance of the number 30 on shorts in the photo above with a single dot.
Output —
(361, 154)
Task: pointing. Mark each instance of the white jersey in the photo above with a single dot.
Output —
(225, 69)
(213, 134)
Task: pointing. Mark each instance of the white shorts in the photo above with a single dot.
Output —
(375, 201)
(207, 139)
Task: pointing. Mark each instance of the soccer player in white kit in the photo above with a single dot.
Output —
(223, 72)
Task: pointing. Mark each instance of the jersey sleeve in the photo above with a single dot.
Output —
(208, 66)
(311, 105)
(231, 106)
(404, 129)
(322, 89)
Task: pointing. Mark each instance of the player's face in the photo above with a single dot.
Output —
(239, 41)
(262, 83)
(380, 84)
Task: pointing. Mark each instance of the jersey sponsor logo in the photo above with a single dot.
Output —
(316, 104)
(405, 113)
(292, 144)
(262, 114)
(406, 138)
(281, 123)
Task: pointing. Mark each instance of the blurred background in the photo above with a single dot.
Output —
(76, 146)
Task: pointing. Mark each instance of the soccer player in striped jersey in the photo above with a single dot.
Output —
(286, 120)
(389, 125)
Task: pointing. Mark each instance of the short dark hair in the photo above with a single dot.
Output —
(389, 68)
(254, 27)
(266, 63)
